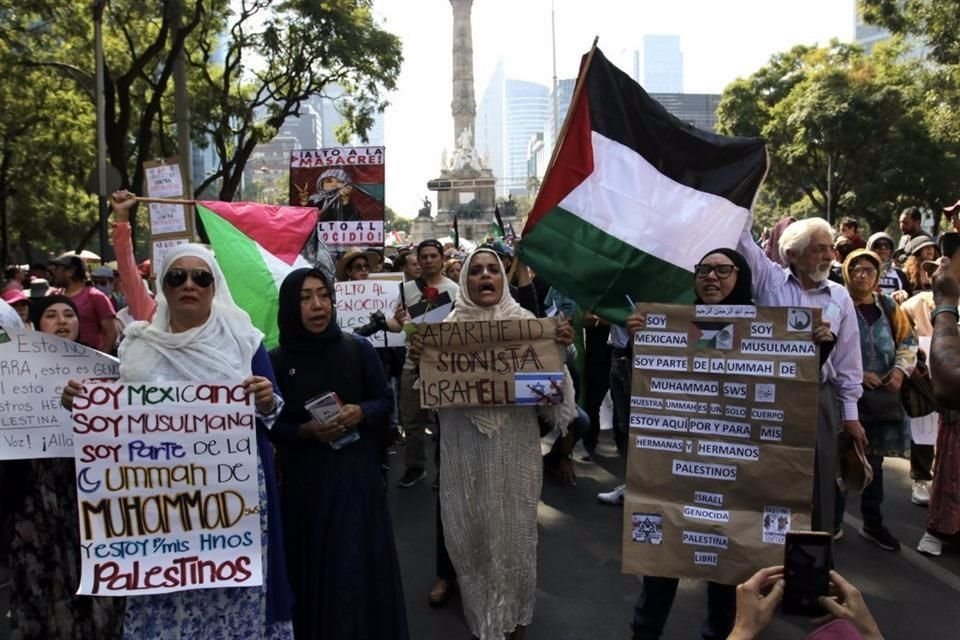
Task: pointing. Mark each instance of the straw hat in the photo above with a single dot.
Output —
(351, 254)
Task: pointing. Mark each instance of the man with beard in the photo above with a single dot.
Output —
(806, 248)
(910, 226)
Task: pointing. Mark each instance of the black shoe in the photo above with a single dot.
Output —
(411, 477)
(881, 537)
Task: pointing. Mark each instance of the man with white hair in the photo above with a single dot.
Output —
(806, 247)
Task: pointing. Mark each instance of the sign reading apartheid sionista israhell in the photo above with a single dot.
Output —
(723, 417)
(490, 363)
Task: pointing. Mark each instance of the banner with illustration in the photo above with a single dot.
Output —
(346, 185)
(723, 417)
(34, 368)
(490, 363)
(167, 487)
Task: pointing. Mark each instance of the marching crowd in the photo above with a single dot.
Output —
(330, 561)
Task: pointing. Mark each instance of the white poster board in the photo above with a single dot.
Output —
(357, 299)
(167, 488)
(34, 368)
(924, 429)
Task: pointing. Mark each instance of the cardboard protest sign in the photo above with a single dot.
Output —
(357, 299)
(489, 363)
(34, 368)
(346, 185)
(167, 487)
(722, 431)
(164, 180)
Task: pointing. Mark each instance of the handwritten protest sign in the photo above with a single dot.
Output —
(357, 299)
(34, 368)
(167, 488)
(722, 430)
(486, 363)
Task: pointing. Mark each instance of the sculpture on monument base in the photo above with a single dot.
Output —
(464, 156)
(425, 210)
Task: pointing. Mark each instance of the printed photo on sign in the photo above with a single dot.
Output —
(799, 320)
(712, 335)
(776, 524)
(539, 388)
(647, 528)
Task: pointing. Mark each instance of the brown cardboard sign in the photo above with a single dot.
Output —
(723, 416)
(490, 363)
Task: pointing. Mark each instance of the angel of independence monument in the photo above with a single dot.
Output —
(466, 187)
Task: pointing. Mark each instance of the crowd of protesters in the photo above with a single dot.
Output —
(330, 561)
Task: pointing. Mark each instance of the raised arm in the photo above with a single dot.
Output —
(945, 347)
(765, 271)
(141, 305)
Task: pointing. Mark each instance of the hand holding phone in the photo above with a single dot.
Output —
(806, 572)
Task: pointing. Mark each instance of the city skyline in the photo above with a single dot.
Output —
(719, 44)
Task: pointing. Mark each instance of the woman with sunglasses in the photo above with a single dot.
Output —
(199, 334)
(45, 543)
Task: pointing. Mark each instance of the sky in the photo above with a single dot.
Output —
(721, 40)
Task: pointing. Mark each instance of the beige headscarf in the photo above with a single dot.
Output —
(489, 420)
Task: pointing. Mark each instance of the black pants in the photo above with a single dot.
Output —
(652, 609)
(921, 461)
(597, 377)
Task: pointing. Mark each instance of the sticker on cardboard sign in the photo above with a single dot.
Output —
(776, 524)
(647, 528)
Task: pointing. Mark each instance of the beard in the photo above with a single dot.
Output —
(820, 273)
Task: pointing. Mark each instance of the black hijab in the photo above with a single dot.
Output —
(39, 305)
(294, 337)
(741, 291)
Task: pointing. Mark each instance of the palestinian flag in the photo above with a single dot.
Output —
(635, 197)
(256, 246)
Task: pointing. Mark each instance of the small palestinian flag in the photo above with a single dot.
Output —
(635, 197)
(711, 335)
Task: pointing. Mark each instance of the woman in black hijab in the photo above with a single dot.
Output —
(721, 277)
(341, 555)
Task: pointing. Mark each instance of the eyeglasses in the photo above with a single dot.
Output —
(360, 266)
(177, 277)
(862, 272)
(723, 271)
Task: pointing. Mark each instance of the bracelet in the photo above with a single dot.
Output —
(944, 308)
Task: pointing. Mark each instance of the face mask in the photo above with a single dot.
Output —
(106, 289)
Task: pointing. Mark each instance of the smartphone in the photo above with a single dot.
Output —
(806, 572)
(949, 244)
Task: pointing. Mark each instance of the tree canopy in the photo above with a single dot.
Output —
(848, 133)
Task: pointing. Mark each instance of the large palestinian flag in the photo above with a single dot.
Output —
(635, 197)
(256, 246)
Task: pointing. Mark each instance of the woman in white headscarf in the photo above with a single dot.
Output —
(492, 474)
(199, 334)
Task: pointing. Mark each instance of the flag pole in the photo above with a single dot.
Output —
(164, 200)
(578, 88)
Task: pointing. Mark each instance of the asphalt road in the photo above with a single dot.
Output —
(582, 594)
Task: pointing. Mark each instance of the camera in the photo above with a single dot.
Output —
(378, 322)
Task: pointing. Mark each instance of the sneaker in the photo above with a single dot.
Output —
(930, 545)
(613, 497)
(881, 537)
(411, 477)
(921, 493)
(838, 534)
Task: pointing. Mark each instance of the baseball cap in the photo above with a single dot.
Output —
(68, 260)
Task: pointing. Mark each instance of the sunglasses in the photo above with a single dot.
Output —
(177, 277)
(723, 271)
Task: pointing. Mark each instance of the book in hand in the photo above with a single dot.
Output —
(325, 408)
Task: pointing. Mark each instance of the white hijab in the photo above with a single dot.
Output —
(489, 420)
(220, 349)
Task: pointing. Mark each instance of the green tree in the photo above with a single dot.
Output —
(275, 56)
(393, 222)
(847, 133)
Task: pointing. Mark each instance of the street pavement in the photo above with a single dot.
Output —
(582, 595)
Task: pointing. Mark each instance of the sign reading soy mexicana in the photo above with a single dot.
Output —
(723, 418)
(488, 363)
(167, 487)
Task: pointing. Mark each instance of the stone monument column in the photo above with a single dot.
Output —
(464, 106)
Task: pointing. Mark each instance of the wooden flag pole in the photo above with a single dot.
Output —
(164, 200)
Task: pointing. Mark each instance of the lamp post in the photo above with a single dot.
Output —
(98, 7)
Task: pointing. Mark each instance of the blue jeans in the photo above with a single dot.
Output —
(652, 609)
(620, 396)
